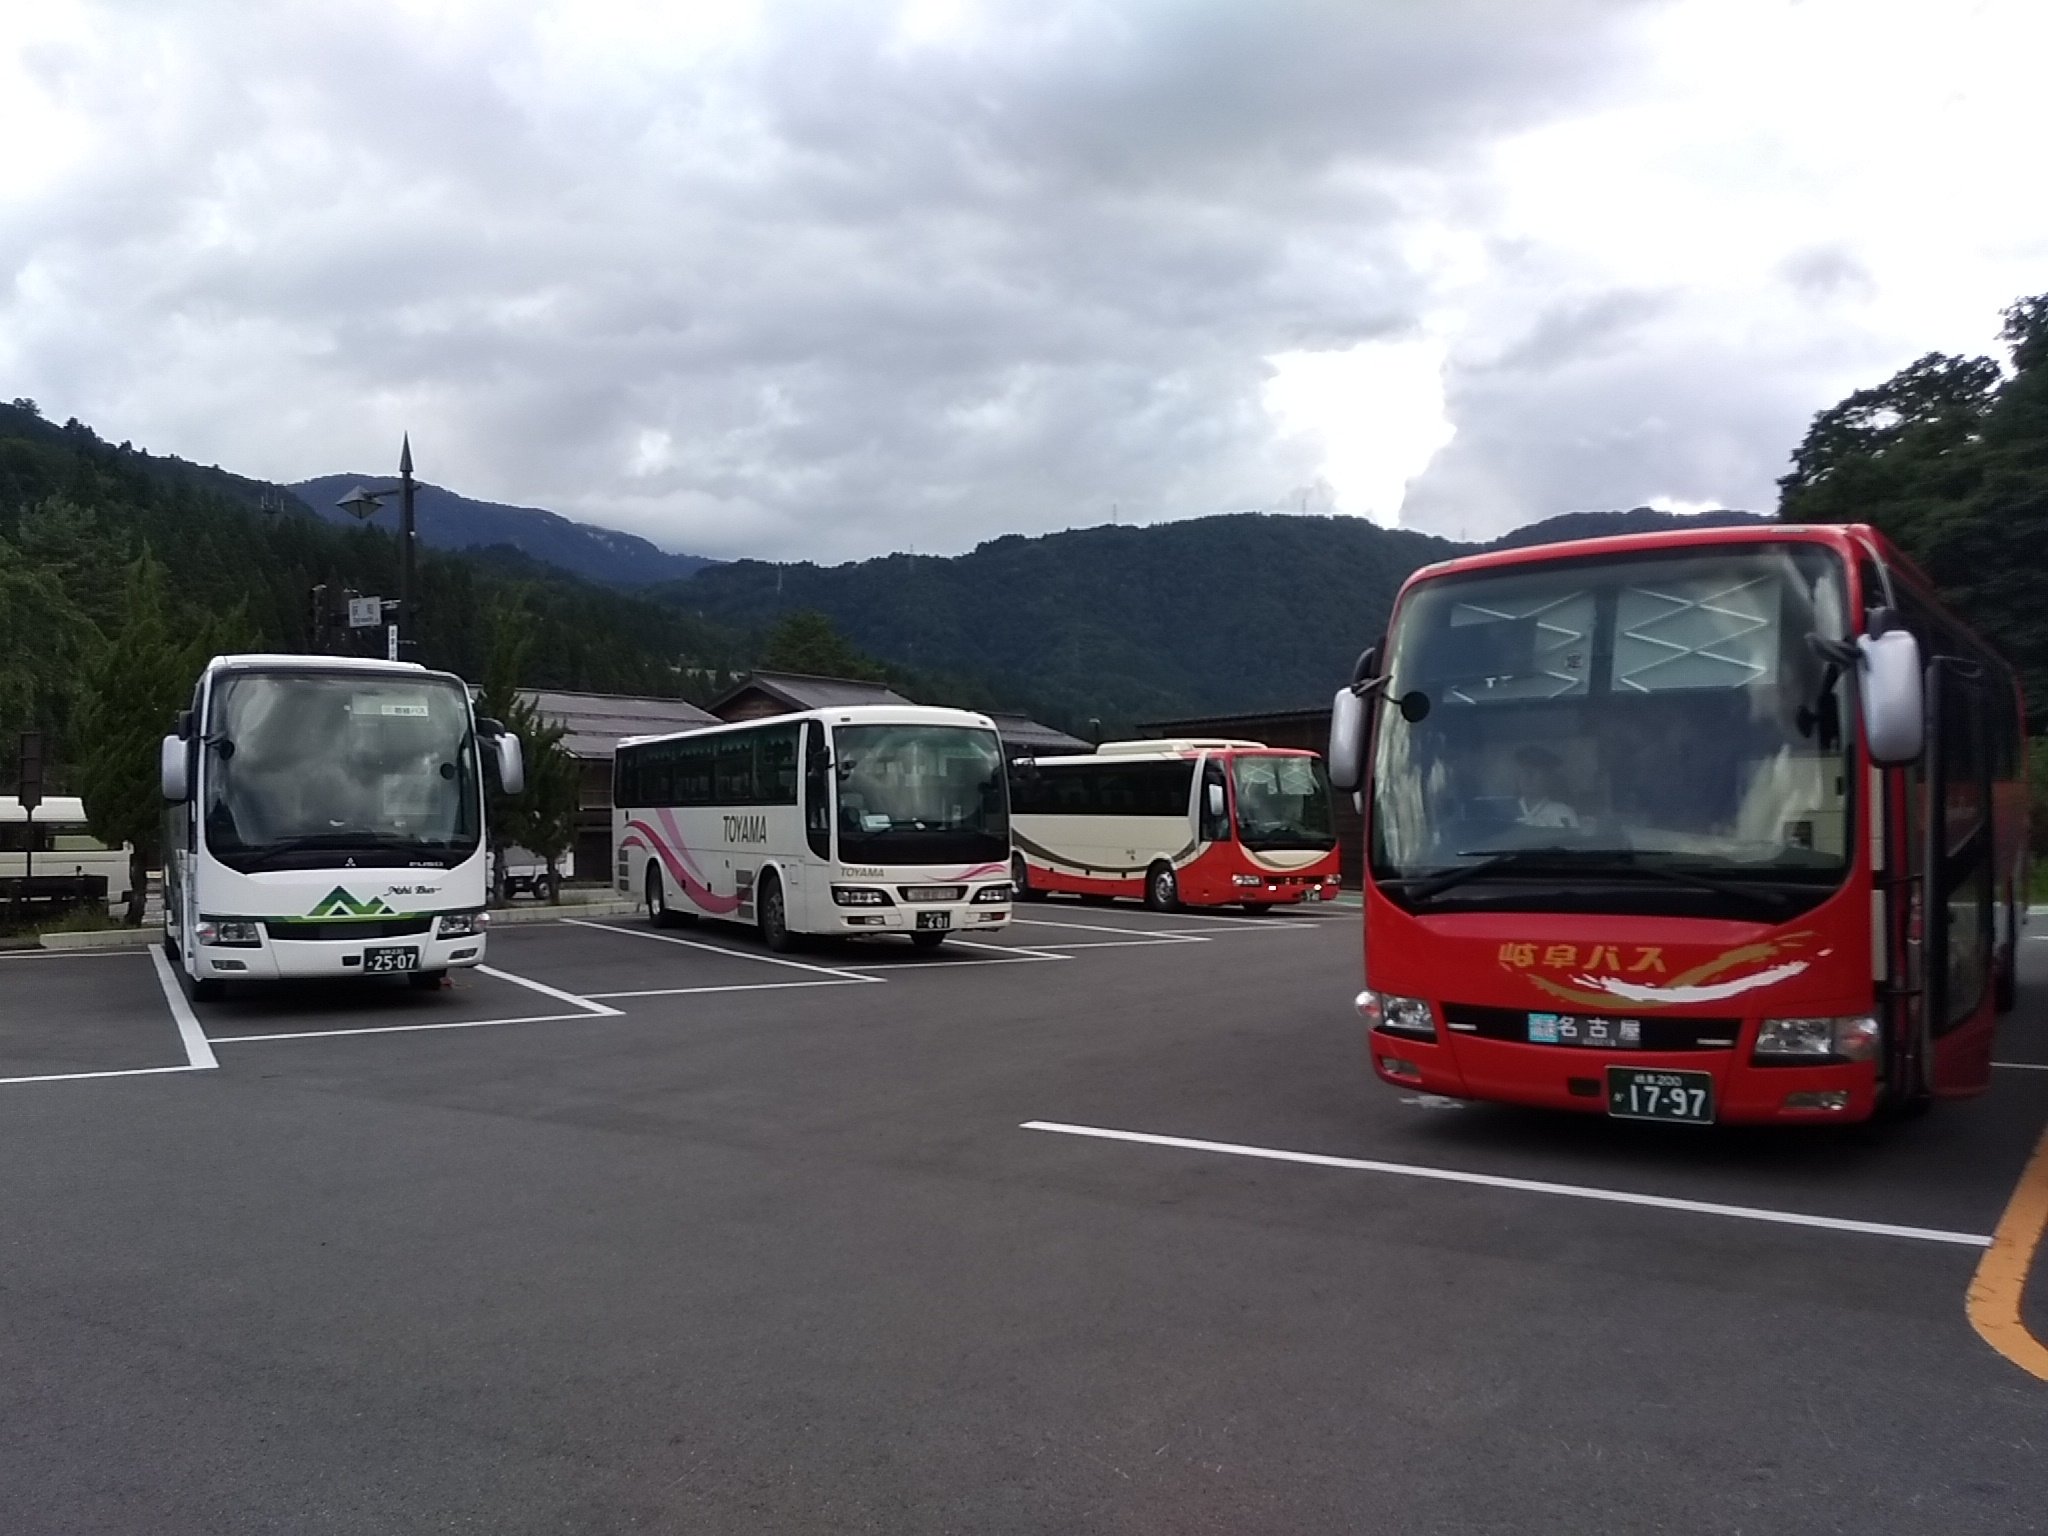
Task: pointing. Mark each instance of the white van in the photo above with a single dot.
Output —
(56, 841)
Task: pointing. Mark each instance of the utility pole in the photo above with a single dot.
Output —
(407, 537)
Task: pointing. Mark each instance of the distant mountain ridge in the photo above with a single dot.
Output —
(1243, 611)
(451, 521)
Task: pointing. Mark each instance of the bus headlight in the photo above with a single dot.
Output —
(1398, 1015)
(229, 932)
(1839, 1039)
(861, 896)
(992, 895)
(459, 925)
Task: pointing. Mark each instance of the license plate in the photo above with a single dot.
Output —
(934, 919)
(381, 961)
(1642, 1093)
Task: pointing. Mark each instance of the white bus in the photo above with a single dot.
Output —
(1198, 823)
(326, 818)
(55, 840)
(871, 819)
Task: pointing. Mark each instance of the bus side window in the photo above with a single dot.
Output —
(817, 791)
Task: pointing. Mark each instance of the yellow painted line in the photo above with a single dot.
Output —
(1999, 1287)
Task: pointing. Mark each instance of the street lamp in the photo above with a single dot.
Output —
(364, 504)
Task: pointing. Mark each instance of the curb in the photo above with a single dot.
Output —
(506, 917)
(105, 938)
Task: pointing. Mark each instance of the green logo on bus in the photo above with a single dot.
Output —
(338, 903)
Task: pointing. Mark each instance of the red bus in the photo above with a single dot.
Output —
(1655, 823)
(1195, 823)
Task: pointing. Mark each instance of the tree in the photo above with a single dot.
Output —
(542, 818)
(805, 641)
(43, 638)
(134, 684)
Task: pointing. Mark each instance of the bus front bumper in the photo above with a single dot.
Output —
(1576, 1078)
(960, 917)
(285, 959)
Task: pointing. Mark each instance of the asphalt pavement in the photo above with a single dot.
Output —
(658, 1232)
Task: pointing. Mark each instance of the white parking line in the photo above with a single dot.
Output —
(1526, 1186)
(2022, 1066)
(413, 1029)
(135, 952)
(740, 986)
(715, 949)
(197, 1052)
(1157, 937)
(545, 990)
(72, 1077)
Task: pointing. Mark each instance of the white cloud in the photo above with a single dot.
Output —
(819, 280)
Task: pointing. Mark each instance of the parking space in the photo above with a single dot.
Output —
(1096, 1222)
(65, 1016)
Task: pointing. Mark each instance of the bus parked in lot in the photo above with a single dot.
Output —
(867, 819)
(325, 817)
(1196, 823)
(57, 841)
(1723, 825)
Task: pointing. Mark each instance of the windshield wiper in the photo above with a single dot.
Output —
(1581, 861)
(350, 842)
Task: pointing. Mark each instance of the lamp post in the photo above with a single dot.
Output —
(364, 504)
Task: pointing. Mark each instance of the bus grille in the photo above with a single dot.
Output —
(1600, 1031)
(351, 928)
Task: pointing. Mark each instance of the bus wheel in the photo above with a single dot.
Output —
(1162, 888)
(657, 898)
(1020, 880)
(773, 917)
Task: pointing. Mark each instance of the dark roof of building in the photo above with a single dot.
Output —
(595, 722)
(1021, 732)
(800, 690)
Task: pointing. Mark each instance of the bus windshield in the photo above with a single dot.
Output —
(311, 769)
(920, 794)
(1282, 802)
(1640, 717)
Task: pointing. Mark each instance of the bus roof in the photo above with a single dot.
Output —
(841, 714)
(1169, 752)
(1848, 538)
(264, 659)
(65, 808)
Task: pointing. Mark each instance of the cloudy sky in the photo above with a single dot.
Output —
(821, 280)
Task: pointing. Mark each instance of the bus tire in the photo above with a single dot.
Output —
(1020, 880)
(2005, 981)
(1162, 888)
(928, 938)
(657, 898)
(771, 915)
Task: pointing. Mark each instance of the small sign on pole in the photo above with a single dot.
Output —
(391, 642)
(365, 612)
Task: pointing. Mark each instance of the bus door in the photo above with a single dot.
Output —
(1957, 907)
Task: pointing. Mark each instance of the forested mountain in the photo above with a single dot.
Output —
(1239, 612)
(78, 517)
(449, 521)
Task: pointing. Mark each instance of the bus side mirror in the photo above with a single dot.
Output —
(1894, 697)
(174, 770)
(511, 763)
(1347, 740)
(1215, 801)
